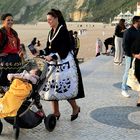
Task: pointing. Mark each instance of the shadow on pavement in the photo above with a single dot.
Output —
(116, 116)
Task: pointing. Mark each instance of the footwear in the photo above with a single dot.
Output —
(116, 63)
(57, 116)
(125, 93)
(73, 117)
(138, 102)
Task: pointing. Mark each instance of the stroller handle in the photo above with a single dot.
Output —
(43, 58)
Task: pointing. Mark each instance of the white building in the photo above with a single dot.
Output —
(137, 13)
(127, 16)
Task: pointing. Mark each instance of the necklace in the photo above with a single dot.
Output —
(50, 40)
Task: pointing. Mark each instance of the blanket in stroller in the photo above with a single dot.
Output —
(12, 100)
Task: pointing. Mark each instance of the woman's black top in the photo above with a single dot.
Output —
(60, 44)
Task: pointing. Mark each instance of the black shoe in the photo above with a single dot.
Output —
(73, 117)
(138, 104)
(57, 116)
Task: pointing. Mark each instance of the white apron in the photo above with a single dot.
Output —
(62, 84)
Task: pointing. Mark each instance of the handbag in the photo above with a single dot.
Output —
(62, 84)
(132, 80)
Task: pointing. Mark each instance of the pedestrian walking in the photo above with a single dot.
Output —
(130, 35)
(58, 50)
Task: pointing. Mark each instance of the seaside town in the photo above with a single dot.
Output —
(63, 77)
(126, 15)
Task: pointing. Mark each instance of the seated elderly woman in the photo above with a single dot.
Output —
(19, 90)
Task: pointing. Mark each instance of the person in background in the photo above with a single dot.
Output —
(23, 53)
(107, 42)
(58, 47)
(130, 35)
(77, 43)
(119, 30)
(99, 46)
(10, 60)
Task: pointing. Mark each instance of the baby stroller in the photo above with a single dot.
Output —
(27, 117)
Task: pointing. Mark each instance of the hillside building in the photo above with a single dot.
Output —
(127, 16)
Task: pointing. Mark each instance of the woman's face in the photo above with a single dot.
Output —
(52, 21)
(8, 22)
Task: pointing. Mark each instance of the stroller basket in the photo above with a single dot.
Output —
(28, 120)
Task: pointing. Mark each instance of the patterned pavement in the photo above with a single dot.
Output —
(105, 114)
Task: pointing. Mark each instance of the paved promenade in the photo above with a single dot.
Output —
(105, 114)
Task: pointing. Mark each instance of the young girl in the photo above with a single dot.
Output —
(99, 45)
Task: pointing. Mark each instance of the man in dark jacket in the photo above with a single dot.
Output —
(130, 35)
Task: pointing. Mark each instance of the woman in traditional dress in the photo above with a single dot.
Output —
(9, 48)
(58, 50)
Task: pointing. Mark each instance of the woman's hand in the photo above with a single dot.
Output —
(48, 58)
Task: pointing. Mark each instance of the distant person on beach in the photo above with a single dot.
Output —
(38, 44)
(119, 30)
(23, 53)
(35, 42)
(99, 46)
(107, 42)
(32, 46)
(77, 43)
(58, 49)
(130, 35)
(10, 60)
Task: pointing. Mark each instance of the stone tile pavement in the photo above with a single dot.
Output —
(105, 114)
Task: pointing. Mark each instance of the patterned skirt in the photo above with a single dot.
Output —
(8, 64)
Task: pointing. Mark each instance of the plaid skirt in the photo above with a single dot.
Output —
(8, 64)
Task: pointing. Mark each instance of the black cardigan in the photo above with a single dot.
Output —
(60, 44)
(118, 31)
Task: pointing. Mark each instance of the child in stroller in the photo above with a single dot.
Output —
(19, 90)
(15, 105)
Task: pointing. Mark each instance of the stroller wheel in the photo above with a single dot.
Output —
(1, 127)
(50, 122)
(16, 132)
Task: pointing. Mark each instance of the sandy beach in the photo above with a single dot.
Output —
(92, 31)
